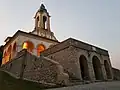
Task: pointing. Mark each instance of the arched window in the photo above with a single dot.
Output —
(9, 51)
(40, 48)
(38, 18)
(107, 69)
(5, 58)
(37, 21)
(84, 67)
(97, 68)
(28, 45)
(14, 49)
(44, 22)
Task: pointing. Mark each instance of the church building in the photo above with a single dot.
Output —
(71, 59)
(35, 42)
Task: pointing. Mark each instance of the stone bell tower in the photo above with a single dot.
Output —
(42, 19)
(42, 23)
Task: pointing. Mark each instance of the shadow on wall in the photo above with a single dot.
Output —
(116, 73)
(1, 54)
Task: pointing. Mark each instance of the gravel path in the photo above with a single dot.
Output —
(114, 85)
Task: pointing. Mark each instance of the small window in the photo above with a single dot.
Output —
(44, 22)
(28, 45)
(38, 18)
(40, 49)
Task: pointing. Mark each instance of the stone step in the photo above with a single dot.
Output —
(79, 82)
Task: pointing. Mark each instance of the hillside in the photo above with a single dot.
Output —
(7, 82)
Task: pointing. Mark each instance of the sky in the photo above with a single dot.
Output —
(96, 22)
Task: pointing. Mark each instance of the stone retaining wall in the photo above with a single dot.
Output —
(40, 69)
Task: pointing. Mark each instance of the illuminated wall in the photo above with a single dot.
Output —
(9, 53)
(40, 48)
(28, 45)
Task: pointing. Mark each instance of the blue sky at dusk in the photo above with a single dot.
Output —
(93, 21)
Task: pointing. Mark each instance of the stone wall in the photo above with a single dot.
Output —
(89, 47)
(77, 44)
(116, 73)
(44, 69)
(40, 69)
(15, 65)
(68, 55)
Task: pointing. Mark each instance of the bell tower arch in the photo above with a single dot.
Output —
(42, 19)
(42, 23)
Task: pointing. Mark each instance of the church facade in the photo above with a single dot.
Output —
(38, 40)
(75, 59)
